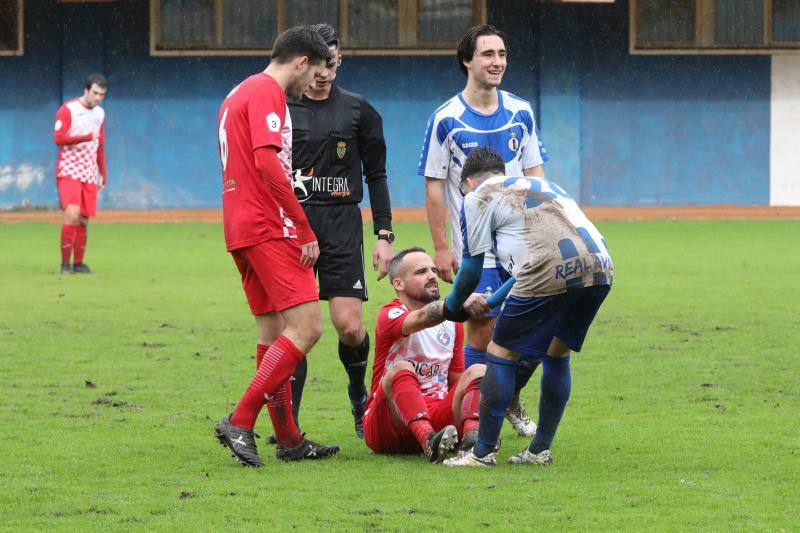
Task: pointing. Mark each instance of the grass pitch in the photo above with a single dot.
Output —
(684, 410)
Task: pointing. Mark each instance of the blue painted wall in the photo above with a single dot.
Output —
(621, 130)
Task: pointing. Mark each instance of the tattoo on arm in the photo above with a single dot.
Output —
(434, 312)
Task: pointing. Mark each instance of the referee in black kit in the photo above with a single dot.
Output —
(336, 135)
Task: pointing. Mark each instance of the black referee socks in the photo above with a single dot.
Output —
(354, 359)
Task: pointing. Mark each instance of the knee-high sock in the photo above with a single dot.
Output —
(354, 359)
(411, 405)
(470, 406)
(280, 412)
(497, 389)
(556, 386)
(80, 243)
(67, 242)
(276, 367)
(473, 356)
(298, 383)
(525, 370)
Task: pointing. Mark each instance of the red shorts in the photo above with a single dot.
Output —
(272, 276)
(384, 434)
(76, 192)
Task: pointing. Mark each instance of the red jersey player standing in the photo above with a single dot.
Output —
(81, 168)
(272, 244)
(420, 390)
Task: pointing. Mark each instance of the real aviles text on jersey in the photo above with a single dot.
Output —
(538, 234)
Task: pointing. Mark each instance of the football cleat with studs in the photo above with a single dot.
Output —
(241, 442)
(519, 419)
(305, 450)
(469, 459)
(441, 443)
(528, 457)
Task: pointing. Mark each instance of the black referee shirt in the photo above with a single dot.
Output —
(334, 141)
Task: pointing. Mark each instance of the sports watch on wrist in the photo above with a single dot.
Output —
(386, 237)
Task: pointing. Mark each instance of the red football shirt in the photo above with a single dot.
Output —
(434, 352)
(253, 115)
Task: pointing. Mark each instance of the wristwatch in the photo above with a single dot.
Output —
(386, 237)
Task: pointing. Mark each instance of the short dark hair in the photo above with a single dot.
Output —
(96, 79)
(328, 33)
(395, 270)
(466, 47)
(300, 41)
(482, 160)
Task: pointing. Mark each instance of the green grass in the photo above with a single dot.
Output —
(684, 410)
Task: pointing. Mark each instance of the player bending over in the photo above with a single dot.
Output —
(563, 273)
(420, 391)
(270, 240)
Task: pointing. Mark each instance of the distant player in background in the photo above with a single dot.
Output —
(337, 136)
(270, 240)
(480, 115)
(563, 273)
(81, 168)
(421, 398)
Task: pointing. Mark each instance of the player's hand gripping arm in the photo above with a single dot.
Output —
(434, 205)
(372, 150)
(270, 169)
(434, 314)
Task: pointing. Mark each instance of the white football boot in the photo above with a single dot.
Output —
(527, 457)
(467, 458)
(519, 419)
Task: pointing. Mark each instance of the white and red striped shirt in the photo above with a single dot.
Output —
(80, 157)
(434, 352)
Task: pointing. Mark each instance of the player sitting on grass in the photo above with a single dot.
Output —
(420, 391)
(563, 273)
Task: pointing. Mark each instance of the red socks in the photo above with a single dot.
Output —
(68, 234)
(280, 412)
(411, 406)
(470, 406)
(80, 243)
(261, 349)
(280, 409)
(275, 368)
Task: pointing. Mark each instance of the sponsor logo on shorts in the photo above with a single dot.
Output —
(358, 285)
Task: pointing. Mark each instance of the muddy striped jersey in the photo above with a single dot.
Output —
(538, 233)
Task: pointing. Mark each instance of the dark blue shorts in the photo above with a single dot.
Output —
(528, 325)
(491, 280)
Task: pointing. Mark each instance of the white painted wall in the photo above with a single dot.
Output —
(785, 131)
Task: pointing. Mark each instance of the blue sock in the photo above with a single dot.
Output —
(497, 389)
(473, 356)
(556, 385)
(525, 369)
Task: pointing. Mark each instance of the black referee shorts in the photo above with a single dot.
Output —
(340, 267)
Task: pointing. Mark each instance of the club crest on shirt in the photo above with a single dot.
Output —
(443, 337)
(513, 142)
(341, 149)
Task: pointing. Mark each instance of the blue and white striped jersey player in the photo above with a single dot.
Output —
(480, 115)
(562, 271)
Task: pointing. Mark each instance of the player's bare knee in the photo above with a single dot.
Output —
(474, 372)
(398, 366)
(72, 215)
(352, 333)
(479, 333)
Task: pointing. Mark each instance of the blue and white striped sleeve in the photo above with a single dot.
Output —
(435, 157)
(476, 226)
(534, 152)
